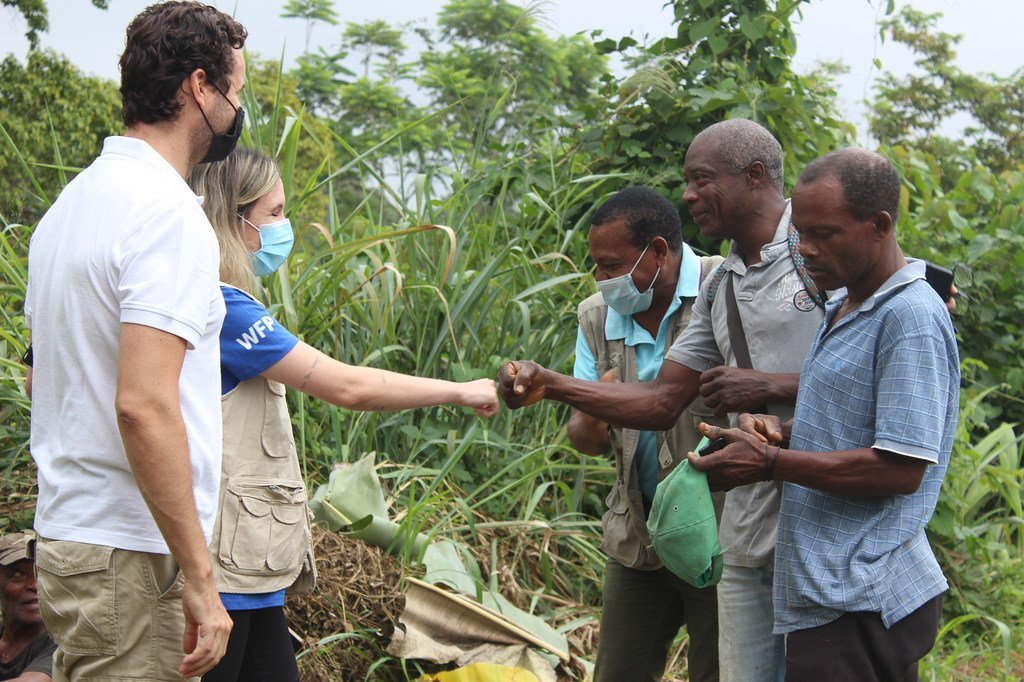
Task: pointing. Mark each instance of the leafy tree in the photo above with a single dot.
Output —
(54, 115)
(915, 108)
(320, 77)
(375, 39)
(965, 194)
(37, 17)
(312, 11)
(505, 75)
(728, 58)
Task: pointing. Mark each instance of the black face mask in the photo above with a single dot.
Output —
(223, 144)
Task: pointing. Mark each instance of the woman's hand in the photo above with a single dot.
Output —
(481, 396)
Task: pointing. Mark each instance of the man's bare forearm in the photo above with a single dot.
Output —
(864, 471)
(157, 450)
(650, 405)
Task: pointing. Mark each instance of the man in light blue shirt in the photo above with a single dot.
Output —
(857, 589)
(647, 281)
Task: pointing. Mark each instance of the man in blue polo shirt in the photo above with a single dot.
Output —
(857, 589)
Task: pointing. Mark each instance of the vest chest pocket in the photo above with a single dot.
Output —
(263, 525)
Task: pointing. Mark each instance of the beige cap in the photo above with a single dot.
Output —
(14, 547)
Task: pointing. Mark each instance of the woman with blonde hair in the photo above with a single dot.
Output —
(262, 542)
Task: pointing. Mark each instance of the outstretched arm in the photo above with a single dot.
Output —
(369, 389)
(650, 405)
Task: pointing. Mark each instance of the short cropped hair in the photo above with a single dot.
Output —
(229, 188)
(647, 215)
(740, 142)
(164, 44)
(870, 182)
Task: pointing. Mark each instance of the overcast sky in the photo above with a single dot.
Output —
(843, 30)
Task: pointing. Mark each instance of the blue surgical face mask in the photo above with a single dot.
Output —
(276, 240)
(621, 294)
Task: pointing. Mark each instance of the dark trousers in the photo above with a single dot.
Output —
(858, 647)
(259, 649)
(641, 616)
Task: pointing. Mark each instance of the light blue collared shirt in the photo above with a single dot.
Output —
(886, 376)
(650, 353)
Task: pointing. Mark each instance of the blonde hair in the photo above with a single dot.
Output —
(229, 188)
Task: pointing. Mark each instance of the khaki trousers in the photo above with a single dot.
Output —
(114, 614)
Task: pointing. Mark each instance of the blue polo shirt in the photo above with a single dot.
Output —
(886, 376)
(251, 340)
(650, 353)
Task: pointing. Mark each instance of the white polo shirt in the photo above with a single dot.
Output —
(126, 242)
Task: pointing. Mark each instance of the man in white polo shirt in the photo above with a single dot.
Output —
(125, 310)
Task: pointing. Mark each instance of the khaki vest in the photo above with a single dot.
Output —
(625, 525)
(262, 540)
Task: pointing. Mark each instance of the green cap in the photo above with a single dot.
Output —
(684, 529)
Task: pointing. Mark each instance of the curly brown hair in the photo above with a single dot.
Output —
(164, 44)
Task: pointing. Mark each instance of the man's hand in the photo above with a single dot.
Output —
(742, 461)
(207, 626)
(767, 427)
(732, 389)
(521, 383)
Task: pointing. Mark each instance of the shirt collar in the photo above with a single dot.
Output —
(140, 150)
(617, 326)
(913, 270)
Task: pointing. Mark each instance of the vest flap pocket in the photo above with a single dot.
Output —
(263, 526)
(254, 506)
(288, 515)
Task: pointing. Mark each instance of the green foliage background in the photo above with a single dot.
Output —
(441, 238)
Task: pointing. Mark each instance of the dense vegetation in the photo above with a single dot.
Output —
(442, 200)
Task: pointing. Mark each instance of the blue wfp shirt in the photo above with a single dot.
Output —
(650, 353)
(885, 376)
(251, 342)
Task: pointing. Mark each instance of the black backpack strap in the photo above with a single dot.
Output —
(737, 337)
